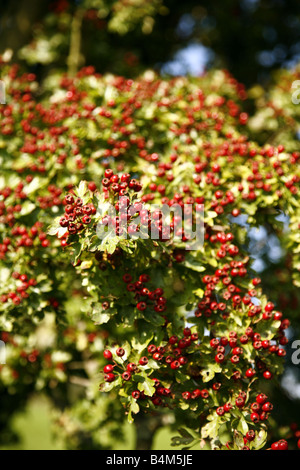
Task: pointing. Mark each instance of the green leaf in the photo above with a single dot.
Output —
(133, 409)
(139, 346)
(27, 208)
(180, 376)
(242, 425)
(77, 249)
(260, 439)
(194, 264)
(209, 372)
(238, 439)
(147, 386)
(107, 243)
(211, 429)
(54, 227)
(82, 189)
(138, 378)
(224, 434)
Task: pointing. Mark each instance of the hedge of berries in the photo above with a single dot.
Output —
(201, 338)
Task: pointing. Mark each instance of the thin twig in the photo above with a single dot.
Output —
(81, 381)
(73, 60)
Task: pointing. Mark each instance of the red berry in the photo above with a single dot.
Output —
(108, 173)
(175, 365)
(144, 278)
(157, 401)
(131, 367)
(254, 417)
(182, 343)
(143, 361)
(255, 406)
(219, 358)
(227, 407)
(109, 377)
(214, 343)
(120, 352)
(127, 278)
(235, 359)
(274, 445)
(107, 354)
(126, 376)
(173, 340)
(261, 398)
(183, 360)
(157, 356)
(187, 332)
(269, 307)
(151, 349)
(86, 219)
(220, 411)
(141, 306)
(250, 435)
(250, 373)
(267, 374)
(240, 402)
(267, 406)
(92, 186)
(186, 395)
(282, 444)
(277, 316)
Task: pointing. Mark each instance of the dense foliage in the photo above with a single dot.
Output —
(119, 328)
(250, 38)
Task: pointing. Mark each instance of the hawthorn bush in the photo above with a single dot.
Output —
(122, 328)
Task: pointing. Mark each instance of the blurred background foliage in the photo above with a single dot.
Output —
(250, 38)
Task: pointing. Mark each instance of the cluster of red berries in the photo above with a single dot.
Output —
(220, 199)
(52, 198)
(280, 445)
(128, 217)
(77, 214)
(27, 237)
(17, 192)
(224, 275)
(118, 189)
(31, 356)
(240, 401)
(119, 184)
(134, 216)
(226, 247)
(11, 203)
(21, 291)
(162, 392)
(173, 355)
(159, 397)
(212, 304)
(126, 370)
(236, 345)
(260, 408)
(146, 298)
(249, 437)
